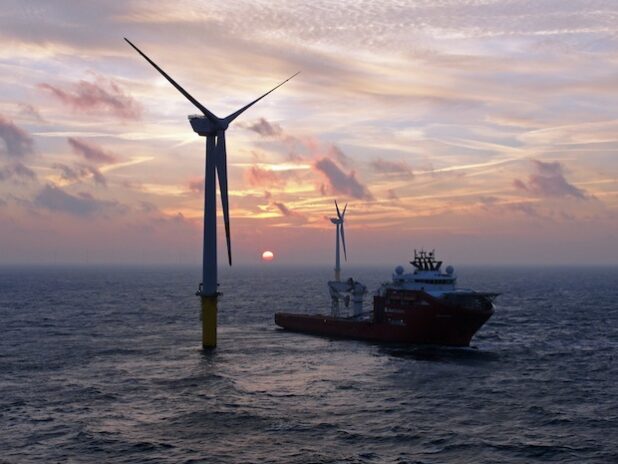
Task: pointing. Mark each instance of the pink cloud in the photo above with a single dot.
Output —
(90, 151)
(196, 185)
(549, 181)
(258, 177)
(104, 95)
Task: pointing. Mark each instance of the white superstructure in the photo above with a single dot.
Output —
(427, 275)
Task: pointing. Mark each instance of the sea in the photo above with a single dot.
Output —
(104, 364)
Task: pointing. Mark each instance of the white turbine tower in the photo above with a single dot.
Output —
(338, 221)
(213, 128)
(350, 289)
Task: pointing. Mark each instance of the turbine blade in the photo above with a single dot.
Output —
(234, 115)
(221, 166)
(344, 208)
(338, 213)
(345, 254)
(188, 96)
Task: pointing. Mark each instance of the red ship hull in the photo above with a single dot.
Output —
(418, 320)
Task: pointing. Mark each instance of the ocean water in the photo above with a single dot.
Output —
(104, 365)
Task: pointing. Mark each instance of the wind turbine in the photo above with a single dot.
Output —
(338, 221)
(213, 128)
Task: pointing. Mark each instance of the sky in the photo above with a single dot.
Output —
(487, 130)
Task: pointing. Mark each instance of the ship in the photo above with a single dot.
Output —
(423, 306)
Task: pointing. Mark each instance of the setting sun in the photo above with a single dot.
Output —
(268, 256)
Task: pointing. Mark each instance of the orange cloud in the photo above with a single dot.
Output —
(258, 177)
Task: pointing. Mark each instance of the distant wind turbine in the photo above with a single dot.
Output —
(338, 221)
(213, 128)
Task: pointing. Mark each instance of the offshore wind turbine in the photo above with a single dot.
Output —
(338, 221)
(213, 128)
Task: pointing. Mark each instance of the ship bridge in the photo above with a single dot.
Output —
(427, 275)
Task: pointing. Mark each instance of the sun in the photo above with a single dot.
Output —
(268, 256)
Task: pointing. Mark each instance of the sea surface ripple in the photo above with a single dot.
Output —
(104, 365)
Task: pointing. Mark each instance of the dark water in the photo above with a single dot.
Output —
(104, 366)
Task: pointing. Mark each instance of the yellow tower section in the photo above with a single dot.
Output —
(209, 321)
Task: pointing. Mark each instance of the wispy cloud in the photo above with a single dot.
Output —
(80, 171)
(396, 168)
(264, 178)
(103, 95)
(90, 151)
(53, 198)
(196, 185)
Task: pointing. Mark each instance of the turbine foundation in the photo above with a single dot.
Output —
(209, 321)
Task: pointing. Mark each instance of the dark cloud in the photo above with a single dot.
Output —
(549, 181)
(90, 151)
(17, 170)
(340, 182)
(288, 213)
(265, 128)
(337, 153)
(17, 141)
(282, 208)
(79, 172)
(83, 204)
(258, 177)
(103, 95)
(397, 168)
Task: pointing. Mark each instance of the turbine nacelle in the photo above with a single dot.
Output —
(205, 126)
(339, 221)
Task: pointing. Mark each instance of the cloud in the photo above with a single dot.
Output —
(79, 172)
(103, 95)
(265, 128)
(17, 170)
(398, 168)
(17, 141)
(338, 154)
(90, 151)
(148, 207)
(549, 181)
(258, 177)
(196, 185)
(340, 182)
(285, 211)
(392, 195)
(83, 204)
